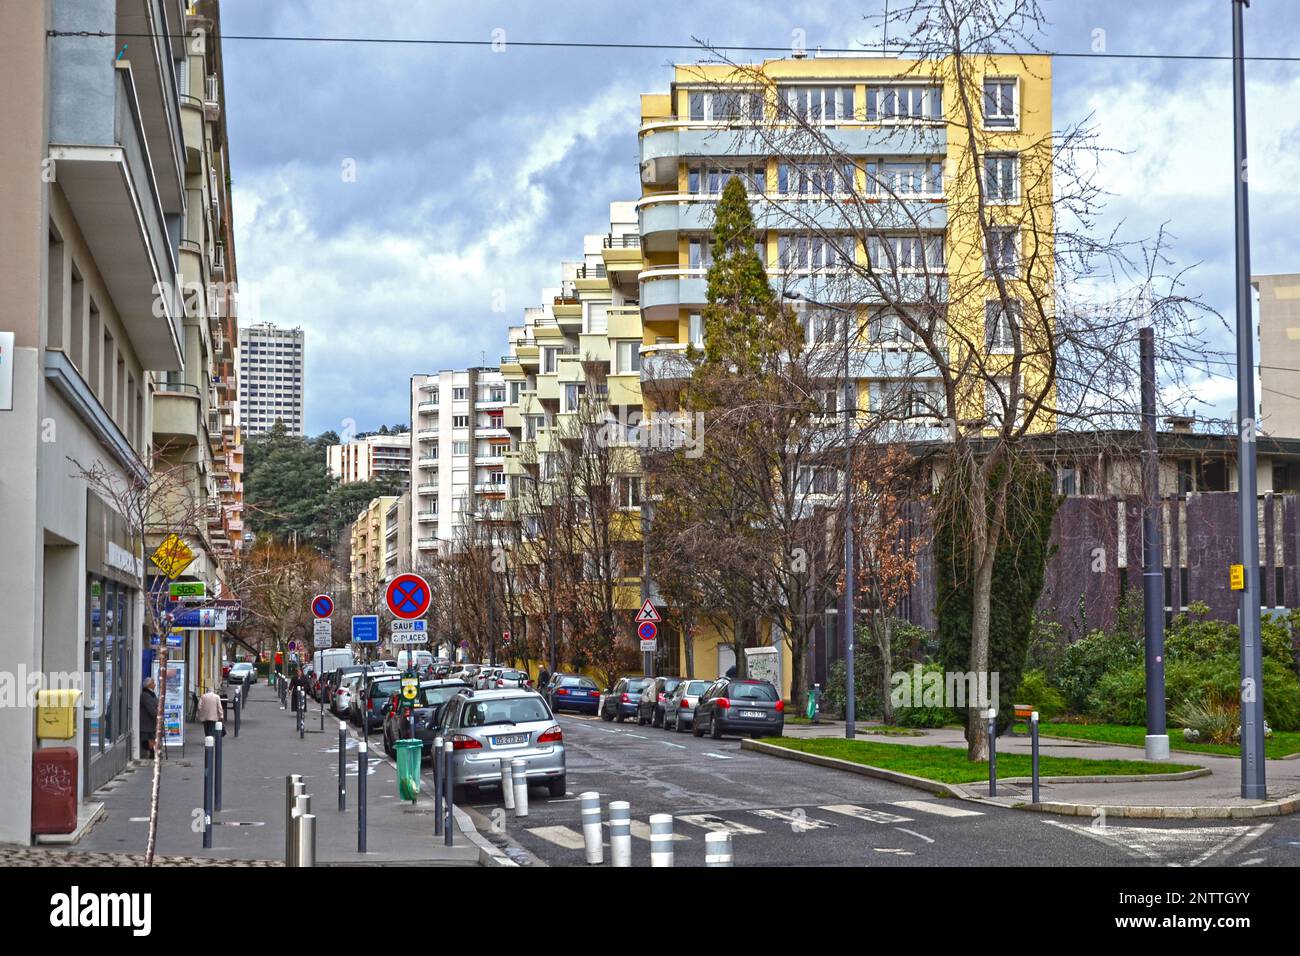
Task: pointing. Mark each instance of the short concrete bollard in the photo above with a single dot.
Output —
(717, 849)
(306, 839)
(592, 836)
(438, 772)
(620, 833)
(1033, 730)
(661, 839)
(507, 785)
(519, 780)
(993, 752)
(292, 787)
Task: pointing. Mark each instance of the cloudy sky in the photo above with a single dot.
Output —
(403, 204)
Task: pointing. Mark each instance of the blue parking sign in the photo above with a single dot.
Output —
(365, 628)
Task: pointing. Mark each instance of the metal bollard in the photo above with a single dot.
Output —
(239, 708)
(361, 795)
(306, 839)
(343, 766)
(507, 785)
(208, 745)
(292, 828)
(437, 785)
(1033, 731)
(449, 782)
(661, 839)
(519, 775)
(592, 836)
(717, 849)
(216, 768)
(993, 752)
(292, 787)
(620, 833)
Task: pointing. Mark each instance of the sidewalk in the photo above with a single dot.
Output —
(1214, 795)
(250, 825)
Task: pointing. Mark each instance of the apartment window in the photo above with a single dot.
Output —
(808, 253)
(828, 400)
(1001, 177)
(548, 359)
(817, 480)
(701, 254)
(628, 356)
(725, 106)
(904, 102)
(459, 394)
(695, 330)
(822, 326)
(595, 317)
(460, 421)
(888, 326)
(1067, 480)
(1000, 326)
(433, 395)
(997, 400)
(904, 179)
(497, 393)
(906, 253)
(629, 491)
(573, 392)
(515, 389)
(460, 448)
(814, 179)
(1003, 255)
(819, 104)
(710, 180)
(1000, 104)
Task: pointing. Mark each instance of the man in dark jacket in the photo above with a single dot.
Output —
(148, 718)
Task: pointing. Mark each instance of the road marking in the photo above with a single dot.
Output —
(894, 850)
(708, 821)
(1172, 847)
(798, 820)
(710, 753)
(669, 743)
(637, 736)
(641, 830)
(938, 809)
(862, 813)
(921, 836)
(610, 730)
(560, 836)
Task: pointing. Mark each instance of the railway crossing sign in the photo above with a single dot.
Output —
(408, 596)
(322, 605)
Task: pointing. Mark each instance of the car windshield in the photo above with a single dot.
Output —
(637, 685)
(744, 690)
(670, 684)
(585, 682)
(434, 696)
(696, 687)
(384, 688)
(510, 710)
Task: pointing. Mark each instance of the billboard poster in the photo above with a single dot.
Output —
(174, 705)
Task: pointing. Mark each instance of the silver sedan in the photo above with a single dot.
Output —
(489, 727)
(679, 709)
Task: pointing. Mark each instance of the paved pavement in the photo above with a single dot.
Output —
(250, 825)
(786, 813)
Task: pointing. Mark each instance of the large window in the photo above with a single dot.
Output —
(905, 253)
(904, 179)
(595, 317)
(628, 356)
(1003, 255)
(107, 644)
(719, 106)
(904, 102)
(710, 180)
(819, 104)
(810, 253)
(1001, 326)
(1001, 178)
(1001, 109)
(814, 179)
(889, 327)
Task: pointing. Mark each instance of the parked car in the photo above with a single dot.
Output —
(489, 726)
(242, 672)
(679, 709)
(650, 704)
(620, 702)
(572, 692)
(343, 694)
(510, 677)
(368, 705)
(428, 706)
(733, 705)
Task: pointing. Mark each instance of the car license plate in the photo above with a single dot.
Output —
(507, 740)
(752, 713)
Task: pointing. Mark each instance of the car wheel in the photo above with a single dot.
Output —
(620, 718)
(556, 787)
(715, 728)
(605, 715)
(696, 729)
(677, 724)
(657, 720)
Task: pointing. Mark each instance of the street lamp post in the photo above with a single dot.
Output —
(850, 400)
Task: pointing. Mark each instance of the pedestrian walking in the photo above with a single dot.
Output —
(210, 712)
(148, 718)
(543, 678)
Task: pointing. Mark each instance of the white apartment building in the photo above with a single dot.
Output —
(270, 378)
(459, 441)
(371, 456)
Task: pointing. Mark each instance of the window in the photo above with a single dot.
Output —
(627, 356)
(997, 400)
(814, 252)
(710, 180)
(460, 421)
(906, 253)
(1067, 480)
(814, 179)
(1001, 178)
(888, 326)
(460, 448)
(701, 254)
(907, 400)
(1000, 106)
(725, 106)
(573, 392)
(898, 103)
(822, 325)
(695, 330)
(828, 400)
(819, 104)
(905, 179)
(515, 389)
(497, 393)
(459, 394)
(1001, 326)
(595, 317)
(1003, 255)
(548, 359)
(817, 480)
(629, 491)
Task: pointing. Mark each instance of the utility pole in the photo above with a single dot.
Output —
(1252, 688)
(1153, 559)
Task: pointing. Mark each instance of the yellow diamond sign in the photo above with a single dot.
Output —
(173, 556)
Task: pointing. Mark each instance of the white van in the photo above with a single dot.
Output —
(330, 659)
(423, 659)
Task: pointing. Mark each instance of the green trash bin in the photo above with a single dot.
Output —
(409, 753)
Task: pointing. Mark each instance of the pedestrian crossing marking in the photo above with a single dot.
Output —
(560, 836)
(707, 821)
(641, 830)
(938, 809)
(797, 819)
(863, 813)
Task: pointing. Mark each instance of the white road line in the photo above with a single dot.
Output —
(921, 836)
(710, 753)
(895, 850)
(641, 830)
(863, 813)
(637, 736)
(798, 820)
(938, 809)
(560, 836)
(609, 730)
(708, 821)
(669, 743)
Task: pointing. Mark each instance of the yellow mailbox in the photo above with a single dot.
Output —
(56, 713)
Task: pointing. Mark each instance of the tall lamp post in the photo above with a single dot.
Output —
(1252, 690)
(849, 402)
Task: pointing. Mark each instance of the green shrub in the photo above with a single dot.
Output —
(1213, 716)
(919, 714)
(1048, 644)
(1120, 696)
(1036, 690)
(1087, 660)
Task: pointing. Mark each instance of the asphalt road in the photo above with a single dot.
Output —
(787, 813)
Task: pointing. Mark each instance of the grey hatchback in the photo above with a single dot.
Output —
(487, 727)
(737, 706)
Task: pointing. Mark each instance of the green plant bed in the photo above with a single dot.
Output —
(890, 732)
(949, 764)
(1283, 742)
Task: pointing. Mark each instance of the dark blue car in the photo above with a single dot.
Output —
(621, 702)
(575, 693)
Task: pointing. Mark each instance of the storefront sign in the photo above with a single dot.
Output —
(174, 705)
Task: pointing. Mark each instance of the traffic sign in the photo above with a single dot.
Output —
(365, 628)
(408, 596)
(648, 646)
(410, 632)
(172, 557)
(648, 613)
(1237, 577)
(322, 633)
(647, 630)
(322, 605)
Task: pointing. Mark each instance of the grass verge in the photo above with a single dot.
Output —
(1281, 744)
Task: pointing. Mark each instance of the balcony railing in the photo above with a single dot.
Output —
(592, 272)
(632, 241)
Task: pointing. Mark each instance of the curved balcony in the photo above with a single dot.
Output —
(665, 363)
(665, 289)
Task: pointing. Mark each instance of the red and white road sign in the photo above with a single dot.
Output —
(648, 613)
(408, 596)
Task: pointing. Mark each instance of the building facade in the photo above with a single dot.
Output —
(1279, 353)
(363, 459)
(373, 552)
(270, 378)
